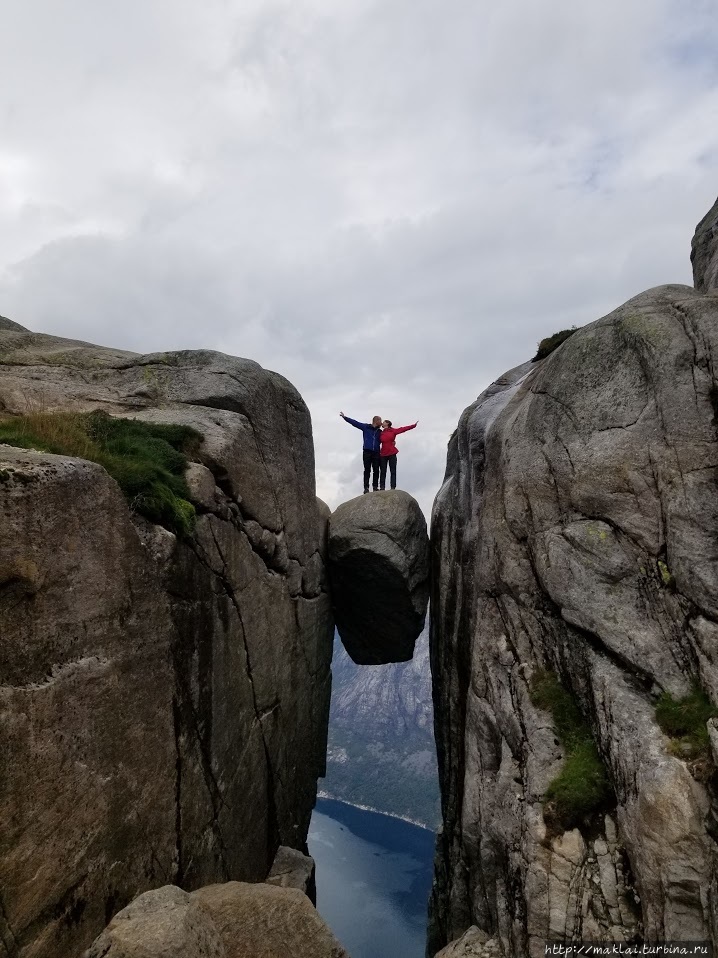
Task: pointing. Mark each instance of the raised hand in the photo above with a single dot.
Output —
(341, 414)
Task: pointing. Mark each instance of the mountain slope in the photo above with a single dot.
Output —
(381, 740)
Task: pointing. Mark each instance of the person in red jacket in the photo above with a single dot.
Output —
(388, 450)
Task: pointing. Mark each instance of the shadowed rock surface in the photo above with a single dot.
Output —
(292, 869)
(704, 251)
(379, 571)
(164, 702)
(232, 920)
(577, 531)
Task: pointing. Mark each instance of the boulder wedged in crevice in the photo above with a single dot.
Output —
(379, 575)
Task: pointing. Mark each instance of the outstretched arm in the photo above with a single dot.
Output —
(406, 428)
(352, 422)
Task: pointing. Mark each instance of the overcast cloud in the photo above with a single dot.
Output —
(387, 201)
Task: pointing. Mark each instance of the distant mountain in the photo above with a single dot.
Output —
(381, 736)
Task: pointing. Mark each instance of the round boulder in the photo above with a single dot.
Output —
(263, 921)
(379, 574)
(164, 923)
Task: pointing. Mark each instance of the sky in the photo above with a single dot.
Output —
(387, 201)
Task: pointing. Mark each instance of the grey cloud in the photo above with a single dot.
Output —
(390, 203)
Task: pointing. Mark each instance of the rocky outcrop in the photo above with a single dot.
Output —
(474, 943)
(164, 699)
(379, 569)
(6, 323)
(292, 869)
(165, 923)
(267, 921)
(232, 920)
(704, 251)
(577, 532)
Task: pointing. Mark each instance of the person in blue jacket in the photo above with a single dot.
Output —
(371, 431)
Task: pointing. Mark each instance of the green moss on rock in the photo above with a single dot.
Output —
(147, 460)
(581, 789)
(666, 575)
(685, 721)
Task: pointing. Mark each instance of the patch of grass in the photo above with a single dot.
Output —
(147, 460)
(581, 789)
(547, 345)
(548, 694)
(666, 575)
(685, 722)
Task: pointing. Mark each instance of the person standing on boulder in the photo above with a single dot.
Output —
(371, 431)
(389, 451)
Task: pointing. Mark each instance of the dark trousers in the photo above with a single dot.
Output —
(389, 461)
(371, 464)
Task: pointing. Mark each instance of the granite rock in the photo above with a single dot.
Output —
(165, 923)
(164, 700)
(293, 869)
(379, 569)
(229, 920)
(704, 251)
(265, 921)
(576, 531)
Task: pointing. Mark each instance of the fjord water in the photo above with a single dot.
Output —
(373, 879)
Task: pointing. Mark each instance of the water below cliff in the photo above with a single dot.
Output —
(373, 879)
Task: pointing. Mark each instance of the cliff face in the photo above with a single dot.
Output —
(164, 699)
(576, 536)
(704, 251)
